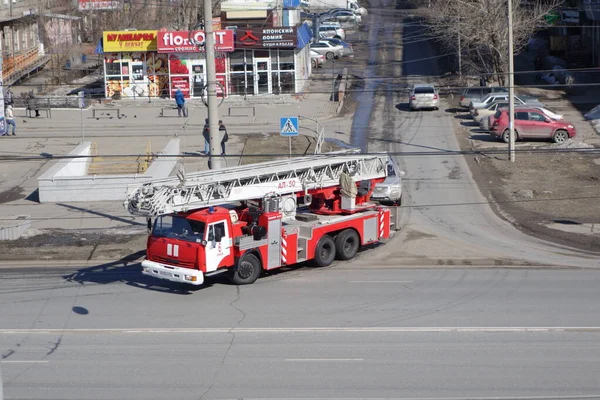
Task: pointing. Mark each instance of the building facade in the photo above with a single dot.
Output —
(250, 61)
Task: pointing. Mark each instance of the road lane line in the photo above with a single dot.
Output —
(324, 359)
(380, 281)
(453, 329)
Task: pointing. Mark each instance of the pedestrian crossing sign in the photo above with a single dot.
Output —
(289, 126)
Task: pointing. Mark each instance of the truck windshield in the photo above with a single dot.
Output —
(179, 228)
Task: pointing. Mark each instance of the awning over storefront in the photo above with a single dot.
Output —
(304, 36)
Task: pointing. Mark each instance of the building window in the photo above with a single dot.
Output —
(16, 40)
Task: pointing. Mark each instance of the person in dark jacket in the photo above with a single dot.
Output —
(32, 104)
(206, 134)
(180, 101)
(224, 136)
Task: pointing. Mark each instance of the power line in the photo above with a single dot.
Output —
(431, 153)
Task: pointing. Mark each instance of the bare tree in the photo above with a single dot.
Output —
(152, 14)
(481, 28)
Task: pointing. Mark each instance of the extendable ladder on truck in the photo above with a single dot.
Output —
(248, 182)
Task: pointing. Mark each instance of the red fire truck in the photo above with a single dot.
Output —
(247, 219)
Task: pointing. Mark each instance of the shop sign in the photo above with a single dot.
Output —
(179, 41)
(264, 38)
(117, 41)
(85, 5)
(570, 16)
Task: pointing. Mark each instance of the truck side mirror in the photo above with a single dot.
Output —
(402, 173)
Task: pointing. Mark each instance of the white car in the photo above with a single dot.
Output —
(316, 59)
(329, 50)
(424, 96)
(344, 16)
(333, 31)
(496, 97)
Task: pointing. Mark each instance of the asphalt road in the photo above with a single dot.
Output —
(446, 219)
(310, 333)
(361, 329)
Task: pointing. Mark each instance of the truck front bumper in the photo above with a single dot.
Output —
(174, 274)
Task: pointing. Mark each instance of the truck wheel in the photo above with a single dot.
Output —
(325, 251)
(346, 244)
(246, 271)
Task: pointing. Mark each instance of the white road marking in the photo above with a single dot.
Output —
(380, 281)
(453, 329)
(564, 397)
(324, 359)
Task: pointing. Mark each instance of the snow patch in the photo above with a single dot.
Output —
(31, 232)
(569, 144)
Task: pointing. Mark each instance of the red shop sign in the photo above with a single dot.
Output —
(179, 41)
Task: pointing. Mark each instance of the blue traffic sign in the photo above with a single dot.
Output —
(289, 126)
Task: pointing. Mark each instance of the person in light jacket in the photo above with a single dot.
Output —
(10, 120)
(180, 101)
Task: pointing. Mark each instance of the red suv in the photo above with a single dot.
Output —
(531, 123)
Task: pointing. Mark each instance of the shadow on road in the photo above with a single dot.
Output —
(128, 270)
(483, 137)
(403, 107)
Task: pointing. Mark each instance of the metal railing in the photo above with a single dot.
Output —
(319, 133)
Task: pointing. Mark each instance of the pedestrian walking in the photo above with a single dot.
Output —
(8, 98)
(206, 134)
(180, 101)
(10, 120)
(224, 136)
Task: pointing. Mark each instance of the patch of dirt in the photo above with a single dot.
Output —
(78, 245)
(539, 188)
(270, 146)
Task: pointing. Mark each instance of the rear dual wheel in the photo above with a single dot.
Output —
(344, 246)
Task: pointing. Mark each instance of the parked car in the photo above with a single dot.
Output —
(478, 93)
(482, 113)
(332, 31)
(424, 96)
(344, 16)
(329, 50)
(531, 123)
(486, 122)
(316, 59)
(347, 46)
(494, 97)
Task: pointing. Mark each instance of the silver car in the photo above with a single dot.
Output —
(329, 50)
(390, 190)
(424, 96)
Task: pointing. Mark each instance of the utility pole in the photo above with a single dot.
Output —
(215, 160)
(3, 128)
(511, 87)
(460, 58)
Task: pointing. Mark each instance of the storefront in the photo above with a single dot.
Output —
(269, 61)
(157, 63)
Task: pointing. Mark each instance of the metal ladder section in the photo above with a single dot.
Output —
(215, 187)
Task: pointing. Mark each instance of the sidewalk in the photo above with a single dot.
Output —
(128, 133)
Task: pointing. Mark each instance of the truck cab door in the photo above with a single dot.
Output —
(218, 245)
